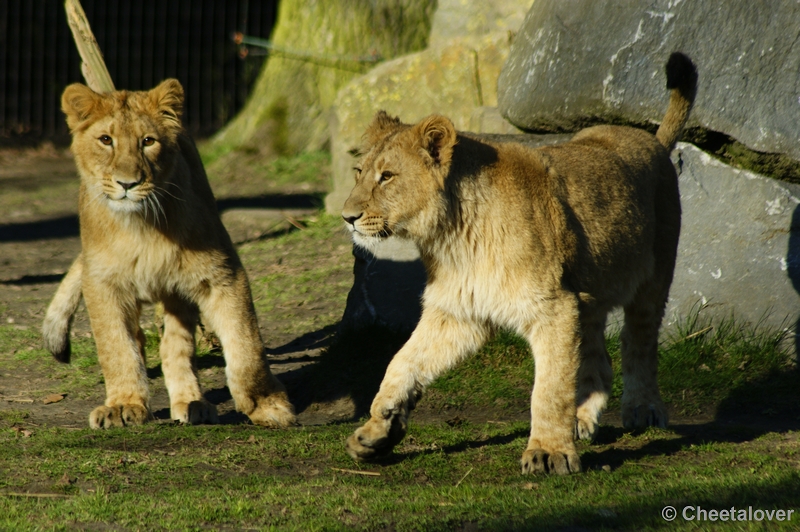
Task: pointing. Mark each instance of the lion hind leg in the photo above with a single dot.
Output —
(555, 342)
(641, 401)
(177, 350)
(438, 342)
(594, 375)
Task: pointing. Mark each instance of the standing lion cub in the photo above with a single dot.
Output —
(150, 232)
(542, 241)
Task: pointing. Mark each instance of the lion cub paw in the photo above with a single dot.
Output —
(376, 438)
(585, 429)
(107, 417)
(643, 416)
(541, 461)
(194, 412)
(274, 411)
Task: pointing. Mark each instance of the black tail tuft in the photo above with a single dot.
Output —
(63, 355)
(681, 72)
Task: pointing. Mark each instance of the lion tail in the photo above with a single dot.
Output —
(682, 83)
(57, 320)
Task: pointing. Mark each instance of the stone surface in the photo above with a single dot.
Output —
(575, 60)
(489, 120)
(387, 287)
(457, 18)
(739, 252)
(452, 80)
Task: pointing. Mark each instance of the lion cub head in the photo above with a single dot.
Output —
(124, 143)
(399, 178)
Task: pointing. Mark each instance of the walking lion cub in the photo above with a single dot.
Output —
(542, 241)
(150, 232)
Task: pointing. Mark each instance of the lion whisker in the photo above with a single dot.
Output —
(170, 194)
(157, 207)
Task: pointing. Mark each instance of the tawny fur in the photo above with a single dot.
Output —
(150, 232)
(542, 241)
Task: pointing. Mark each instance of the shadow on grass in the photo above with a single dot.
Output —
(763, 402)
(643, 510)
(352, 366)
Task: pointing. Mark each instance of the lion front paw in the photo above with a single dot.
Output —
(644, 415)
(274, 411)
(376, 438)
(558, 462)
(194, 412)
(107, 417)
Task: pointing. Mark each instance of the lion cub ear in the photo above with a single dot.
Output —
(437, 136)
(167, 97)
(78, 102)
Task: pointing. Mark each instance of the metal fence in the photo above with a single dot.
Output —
(143, 42)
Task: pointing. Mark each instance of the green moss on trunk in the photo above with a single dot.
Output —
(318, 47)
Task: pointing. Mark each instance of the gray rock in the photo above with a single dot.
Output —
(579, 60)
(387, 287)
(487, 119)
(739, 251)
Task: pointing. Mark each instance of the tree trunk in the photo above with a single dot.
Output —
(317, 47)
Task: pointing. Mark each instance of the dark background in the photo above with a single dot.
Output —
(143, 42)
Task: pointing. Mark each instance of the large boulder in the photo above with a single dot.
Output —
(739, 252)
(579, 61)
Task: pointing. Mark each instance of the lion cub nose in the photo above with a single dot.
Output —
(127, 185)
(351, 218)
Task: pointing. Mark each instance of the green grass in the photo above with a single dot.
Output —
(167, 477)
(301, 270)
(443, 476)
(243, 173)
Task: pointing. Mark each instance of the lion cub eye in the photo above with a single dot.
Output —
(148, 141)
(106, 140)
(386, 176)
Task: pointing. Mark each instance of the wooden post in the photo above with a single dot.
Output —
(92, 64)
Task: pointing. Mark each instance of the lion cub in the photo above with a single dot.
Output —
(150, 232)
(542, 241)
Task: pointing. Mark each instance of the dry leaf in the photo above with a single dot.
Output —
(25, 433)
(54, 398)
